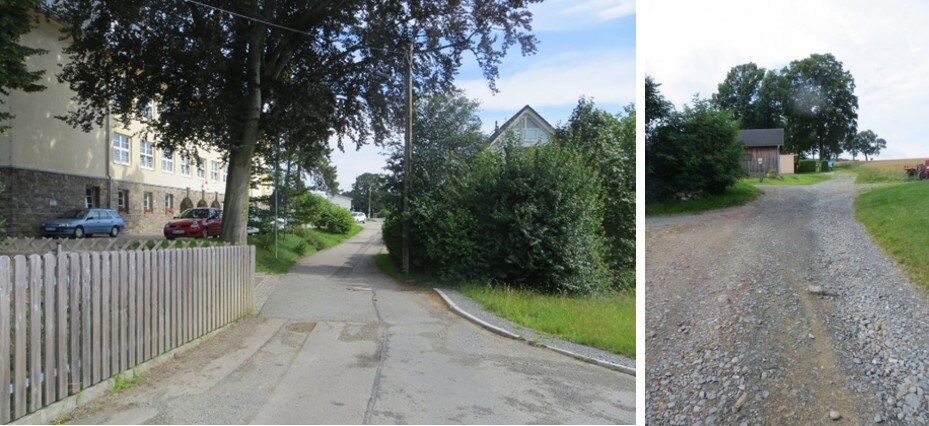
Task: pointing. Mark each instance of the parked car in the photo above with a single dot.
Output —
(197, 222)
(80, 223)
(360, 217)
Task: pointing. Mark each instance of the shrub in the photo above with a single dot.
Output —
(530, 218)
(301, 248)
(824, 166)
(335, 219)
(308, 208)
(695, 152)
(383, 213)
(806, 166)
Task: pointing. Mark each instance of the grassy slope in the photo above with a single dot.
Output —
(896, 218)
(792, 179)
(606, 322)
(287, 254)
(737, 195)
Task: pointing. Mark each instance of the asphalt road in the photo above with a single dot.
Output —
(339, 342)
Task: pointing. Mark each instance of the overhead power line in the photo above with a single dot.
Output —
(250, 18)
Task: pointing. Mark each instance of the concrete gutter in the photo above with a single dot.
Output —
(506, 333)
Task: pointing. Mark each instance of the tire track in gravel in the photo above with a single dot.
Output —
(732, 333)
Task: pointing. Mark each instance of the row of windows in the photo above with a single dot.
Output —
(121, 153)
(92, 200)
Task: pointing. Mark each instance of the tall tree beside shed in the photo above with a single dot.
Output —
(16, 19)
(221, 77)
(821, 105)
(740, 93)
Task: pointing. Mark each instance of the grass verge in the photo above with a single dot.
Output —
(293, 246)
(792, 179)
(737, 195)
(894, 217)
(605, 321)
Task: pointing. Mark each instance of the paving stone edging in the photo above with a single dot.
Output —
(552, 344)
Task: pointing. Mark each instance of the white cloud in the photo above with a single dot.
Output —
(688, 46)
(560, 15)
(608, 77)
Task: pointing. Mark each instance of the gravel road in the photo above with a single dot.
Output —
(783, 311)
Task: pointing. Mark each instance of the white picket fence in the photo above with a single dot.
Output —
(72, 320)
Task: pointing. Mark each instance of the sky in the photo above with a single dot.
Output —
(688, 46)
(586, 48)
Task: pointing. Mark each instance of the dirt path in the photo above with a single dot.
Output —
(733, 333)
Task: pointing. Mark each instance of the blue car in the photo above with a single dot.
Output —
(80, 223)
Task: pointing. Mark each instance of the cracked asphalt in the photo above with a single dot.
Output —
(339, 342)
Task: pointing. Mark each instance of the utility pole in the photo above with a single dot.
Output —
(407, 162)
(369, 201)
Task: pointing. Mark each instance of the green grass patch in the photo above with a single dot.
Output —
(792, 179)
(122, 382)
(894, 217)
(604, 321)
(736, 195)
(293, 246)
(890, 171)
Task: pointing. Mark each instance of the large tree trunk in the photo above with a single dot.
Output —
(235, 213)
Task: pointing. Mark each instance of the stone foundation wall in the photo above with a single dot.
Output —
(32, 197)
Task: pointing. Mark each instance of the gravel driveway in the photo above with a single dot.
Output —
(738, 331)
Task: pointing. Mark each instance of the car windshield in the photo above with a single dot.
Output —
(195, 214)
(73, 214)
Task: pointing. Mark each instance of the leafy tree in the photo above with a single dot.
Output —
(16, 19)
(657, 108)
(740, 93)
(696, 152)
(369, 186)
(238, 79)
(866, 143)
(446, 135)
(607, 143)
(821, 106)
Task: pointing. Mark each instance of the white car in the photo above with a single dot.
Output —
(359, 217)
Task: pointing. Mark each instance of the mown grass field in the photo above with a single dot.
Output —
(737, 195)
(293, 246)
(603, 321)
(896, 218)
(879, 171)
(791, 179)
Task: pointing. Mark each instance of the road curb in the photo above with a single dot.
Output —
(506, 333)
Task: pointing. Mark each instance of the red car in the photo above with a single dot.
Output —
(199, 222)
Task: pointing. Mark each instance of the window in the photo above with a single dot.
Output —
(122, 200)
(201, 171)
(214, 171)
(147, 203)
(120, 149)
(169, 203)
(167, 161)
(146, 155)
(185, 165)
(92, 197)
(147, 110)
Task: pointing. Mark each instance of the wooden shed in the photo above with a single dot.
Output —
(768, 146)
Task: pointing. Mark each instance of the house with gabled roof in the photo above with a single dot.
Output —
(527, 126)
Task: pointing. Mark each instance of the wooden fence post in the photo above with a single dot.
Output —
(5, 289)
(21, 281)
(35, 332)
(50, 287)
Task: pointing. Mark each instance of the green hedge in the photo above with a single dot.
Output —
(824, 166)
(806, 166)
(529, 218)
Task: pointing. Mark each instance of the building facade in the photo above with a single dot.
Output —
(764, 151)
(48, 167)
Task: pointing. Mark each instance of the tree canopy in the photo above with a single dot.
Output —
(238, 78)
(813, 99)
(866, 143)
(16, 19)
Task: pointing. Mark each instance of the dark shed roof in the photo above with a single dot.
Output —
(762, 137)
